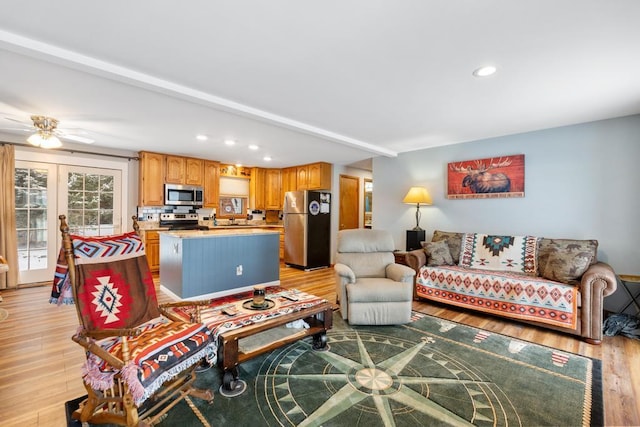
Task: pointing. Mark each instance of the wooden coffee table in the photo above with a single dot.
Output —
(239, 345)
(244, 332)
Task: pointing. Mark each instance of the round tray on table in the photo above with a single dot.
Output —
(268, 303)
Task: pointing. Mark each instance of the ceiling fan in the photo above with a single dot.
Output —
(47, 134)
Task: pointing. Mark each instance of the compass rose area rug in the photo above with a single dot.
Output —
(429, 372)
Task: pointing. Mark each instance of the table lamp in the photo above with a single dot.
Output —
(417, 195)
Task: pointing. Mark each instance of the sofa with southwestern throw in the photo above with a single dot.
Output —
(555, 283)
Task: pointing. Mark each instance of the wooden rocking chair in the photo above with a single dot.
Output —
(139, 363)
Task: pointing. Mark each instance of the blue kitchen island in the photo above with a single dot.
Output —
(198, 264)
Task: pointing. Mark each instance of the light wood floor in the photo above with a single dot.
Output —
(40, 365)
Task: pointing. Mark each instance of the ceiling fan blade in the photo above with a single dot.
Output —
(75, 138)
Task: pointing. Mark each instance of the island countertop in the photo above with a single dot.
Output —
(218, 232)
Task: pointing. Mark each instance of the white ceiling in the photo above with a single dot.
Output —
(337, 81)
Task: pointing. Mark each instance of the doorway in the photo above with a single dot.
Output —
(349, 202)
(91, 198)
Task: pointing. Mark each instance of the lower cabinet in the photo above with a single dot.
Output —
(152, 249)
(282, 245)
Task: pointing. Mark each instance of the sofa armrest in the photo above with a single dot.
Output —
(416, 259)
(597, 282)
(400, 273)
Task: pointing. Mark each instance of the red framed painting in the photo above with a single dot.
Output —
(486, 178)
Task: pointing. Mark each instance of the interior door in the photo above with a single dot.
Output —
(349, 202)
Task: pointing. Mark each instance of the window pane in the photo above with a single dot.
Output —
(106, 200)
(22, 240)
(91, 218)
(91, 199)
(37, 198)
(21, 177)
(75, 181)
(106, 183)
(39, 178)
(106, 217)
(21, 197)
(91, 182)
(76, 199)
(22, 218)
(38, 218)
(75, 218)
(38, 239)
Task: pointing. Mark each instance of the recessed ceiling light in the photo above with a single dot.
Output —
(253, 147)
(485, 71)
(230, 142)
(267, 158)
(201, 137)
(238, 165)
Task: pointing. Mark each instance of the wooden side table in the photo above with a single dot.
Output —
(400, 257)
(627, 279)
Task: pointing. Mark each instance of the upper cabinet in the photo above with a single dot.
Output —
(194, 169)
(315, 176)
(288, 179)
(151, 180)
(175, 171)
(257, 189)
(273, 198)
(184, 170)
(211, 183)
(157, 169)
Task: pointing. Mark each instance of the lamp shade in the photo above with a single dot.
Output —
(417, 195)
(44, 139)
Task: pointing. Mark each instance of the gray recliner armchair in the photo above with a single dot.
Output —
(372, 289)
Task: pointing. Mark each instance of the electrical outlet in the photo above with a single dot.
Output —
(239, 270)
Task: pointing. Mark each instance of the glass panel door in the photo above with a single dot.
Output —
(35, 220)
(91, 198)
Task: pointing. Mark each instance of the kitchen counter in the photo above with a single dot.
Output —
(210, 263)
(219, 232)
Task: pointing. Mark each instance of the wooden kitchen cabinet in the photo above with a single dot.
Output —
(151, 240)
(211, 184)
(175, 170)
(273, 190)
(256, 189)
(288, 179)
(151, 179)
(194, 172)
(315, 176)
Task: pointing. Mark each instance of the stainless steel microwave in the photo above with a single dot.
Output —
(183, 195)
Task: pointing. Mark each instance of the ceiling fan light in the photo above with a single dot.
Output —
(45, 140)
(51, 142)
(35, 139)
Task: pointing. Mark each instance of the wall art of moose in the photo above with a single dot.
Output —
(485, 178)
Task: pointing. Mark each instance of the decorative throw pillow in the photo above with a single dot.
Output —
(454, 240)
(437, 253)
(574, 247)
(515, 254)
(565, 267)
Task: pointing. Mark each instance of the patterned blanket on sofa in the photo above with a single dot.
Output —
(502, 293)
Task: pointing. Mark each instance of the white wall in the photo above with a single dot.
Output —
(581, 182)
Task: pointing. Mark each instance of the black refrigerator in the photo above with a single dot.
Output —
(307, 229)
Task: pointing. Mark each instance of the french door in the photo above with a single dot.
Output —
(89, 197)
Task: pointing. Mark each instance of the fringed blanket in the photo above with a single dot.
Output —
(115, 290)
(159, 354)
(505, 294)
(218, 321)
